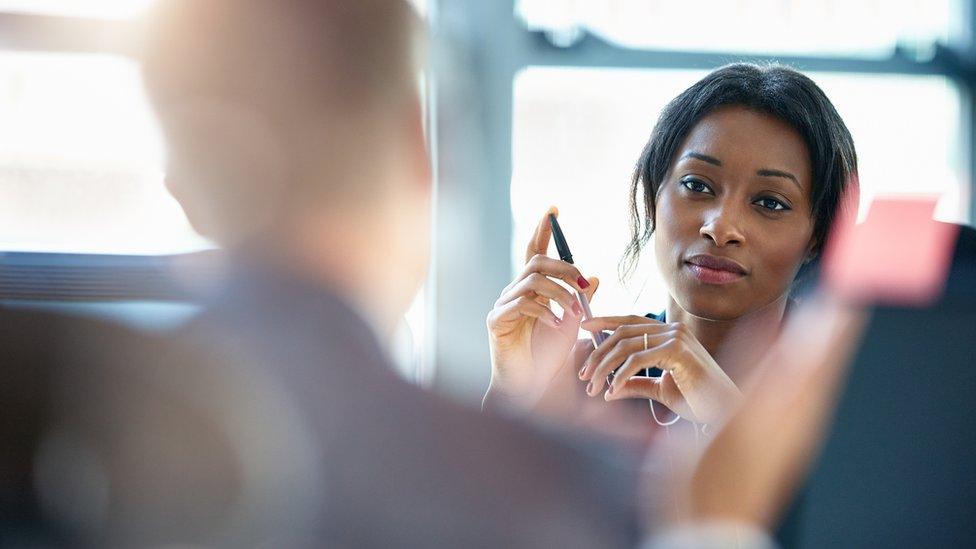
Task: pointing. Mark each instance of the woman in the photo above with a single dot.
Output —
(739, 182)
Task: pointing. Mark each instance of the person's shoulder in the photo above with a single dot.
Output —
(280, 314)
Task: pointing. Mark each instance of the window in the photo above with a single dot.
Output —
(100, 9)
(856, 28)
(81, 159)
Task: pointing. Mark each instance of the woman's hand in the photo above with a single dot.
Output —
(528, 342)
(692, 385)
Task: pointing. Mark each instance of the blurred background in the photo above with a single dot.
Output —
(530, 103)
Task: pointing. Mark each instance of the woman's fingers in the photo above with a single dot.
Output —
(629, 356)
(537, 260)
(637, 387)
(659, 389)
(537, 252)
(581, 349)
(598, 370)
(539, 244)
(556, 269)
(594, 284)
(623, 327)
(621, 333)
(611, 323)
(659, 356)
(523, 306)
(537, 284)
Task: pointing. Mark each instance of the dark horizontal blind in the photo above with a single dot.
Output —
(28, 276)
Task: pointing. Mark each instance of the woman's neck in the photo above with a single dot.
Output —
(734, 344)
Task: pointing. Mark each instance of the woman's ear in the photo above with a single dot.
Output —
(812, 251)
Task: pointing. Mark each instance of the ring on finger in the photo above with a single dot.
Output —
(645, 341)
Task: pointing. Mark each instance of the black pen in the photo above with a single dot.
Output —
(564, 254)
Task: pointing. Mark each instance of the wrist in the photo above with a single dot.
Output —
(505, 394)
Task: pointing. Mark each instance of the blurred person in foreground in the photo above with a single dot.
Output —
(295, 141)
(116, 438)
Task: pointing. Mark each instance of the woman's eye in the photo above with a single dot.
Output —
(771, 204)
(696, 186)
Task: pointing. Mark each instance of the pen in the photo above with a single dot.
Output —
(564, 254)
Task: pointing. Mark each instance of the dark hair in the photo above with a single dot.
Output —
(773, 89)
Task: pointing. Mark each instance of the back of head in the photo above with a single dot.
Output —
(268, 106)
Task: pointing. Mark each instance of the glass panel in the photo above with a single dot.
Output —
(578, 133)
(866, 28)
(81, 160)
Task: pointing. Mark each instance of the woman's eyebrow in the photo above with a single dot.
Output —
(702, 157)
(763, 172)
(766, 172)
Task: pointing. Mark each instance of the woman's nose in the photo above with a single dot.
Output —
(722, 228)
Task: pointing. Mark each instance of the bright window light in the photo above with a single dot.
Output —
(81, 160)
(99, 9)
(864, 28)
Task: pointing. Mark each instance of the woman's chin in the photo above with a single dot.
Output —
(711, 309)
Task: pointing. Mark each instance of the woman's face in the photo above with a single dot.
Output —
(733, 222)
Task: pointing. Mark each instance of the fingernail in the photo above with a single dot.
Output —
(577, 309)
(583, 283)
(582, 371)
(589, 388)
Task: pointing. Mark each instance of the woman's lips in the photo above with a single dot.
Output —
(714, 270)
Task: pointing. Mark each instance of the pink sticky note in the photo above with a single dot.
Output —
(899, 255)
